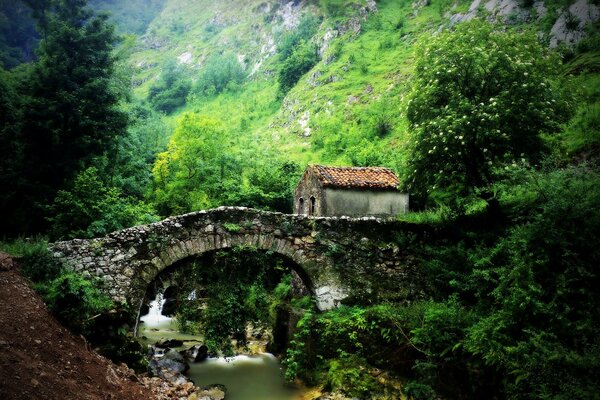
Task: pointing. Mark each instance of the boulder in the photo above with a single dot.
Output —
(168, 343)
(169, 308)
(169, 366)
(196, 353)
(6, 262)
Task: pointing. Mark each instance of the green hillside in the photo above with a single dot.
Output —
(347, 108)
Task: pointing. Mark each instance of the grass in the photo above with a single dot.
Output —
(22, 247)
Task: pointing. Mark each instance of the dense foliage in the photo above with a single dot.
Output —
(220, 72)
(231, 289)
(68, 109)
(481, 99)
(171, 90)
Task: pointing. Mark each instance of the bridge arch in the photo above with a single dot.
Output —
(130, 259)
(341, 256)
(178, 253)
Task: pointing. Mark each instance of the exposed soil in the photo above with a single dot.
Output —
(40, 359)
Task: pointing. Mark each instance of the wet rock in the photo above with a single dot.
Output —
(169, 366)
(196, 353)
(169, 308)
(168, 343)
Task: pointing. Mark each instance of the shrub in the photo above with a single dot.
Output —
(220, 73)
(75, 301)
(36, 261)
(303, 58)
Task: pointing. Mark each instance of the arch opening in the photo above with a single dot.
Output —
(244, 286)
(313, 205)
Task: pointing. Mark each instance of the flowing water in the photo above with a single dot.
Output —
(155, 326)
(246, 377)
(258, 377)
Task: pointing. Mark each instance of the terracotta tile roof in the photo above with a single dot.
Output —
(356, 177)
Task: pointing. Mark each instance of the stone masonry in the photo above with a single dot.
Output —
(336, 257)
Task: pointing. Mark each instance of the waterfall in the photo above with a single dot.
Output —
(154, 318)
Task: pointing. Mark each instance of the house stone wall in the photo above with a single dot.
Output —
(354, 203)
(308, 187)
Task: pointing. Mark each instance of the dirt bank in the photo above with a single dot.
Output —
(40, 359)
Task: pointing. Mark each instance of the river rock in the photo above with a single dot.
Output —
(196, 353)
(168, 343)
(170, 366)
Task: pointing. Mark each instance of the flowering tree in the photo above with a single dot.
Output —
(481, 98)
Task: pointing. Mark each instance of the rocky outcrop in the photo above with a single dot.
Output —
(569, 28)
(572, 22)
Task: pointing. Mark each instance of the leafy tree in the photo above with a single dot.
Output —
(268, 186)
(171, 90)
(147, 135)
(302, 59)
(220, 72)
(92, 209)
(194, 168)
(481, 98)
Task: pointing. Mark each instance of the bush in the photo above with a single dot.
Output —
(349, 375)
(303, 58)
(35, 260)
(220, 73)
(75, 301)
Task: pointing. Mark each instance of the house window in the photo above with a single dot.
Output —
(301, 206)
(313, 203)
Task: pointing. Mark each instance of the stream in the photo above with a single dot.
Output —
(256, 377)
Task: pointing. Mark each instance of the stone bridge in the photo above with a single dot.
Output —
(338, 258)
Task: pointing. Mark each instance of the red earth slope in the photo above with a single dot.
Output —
(40, 359)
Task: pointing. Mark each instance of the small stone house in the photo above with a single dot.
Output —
(350, 191)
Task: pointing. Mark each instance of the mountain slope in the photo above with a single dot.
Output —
(347, 108)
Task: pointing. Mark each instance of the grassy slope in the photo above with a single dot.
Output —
(342, 101)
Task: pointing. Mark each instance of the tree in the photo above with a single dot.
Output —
(190, 175)
(11, 152)
(302, 59)
(72, 113)
(220, 72)
(481, 99)
(171, 90)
